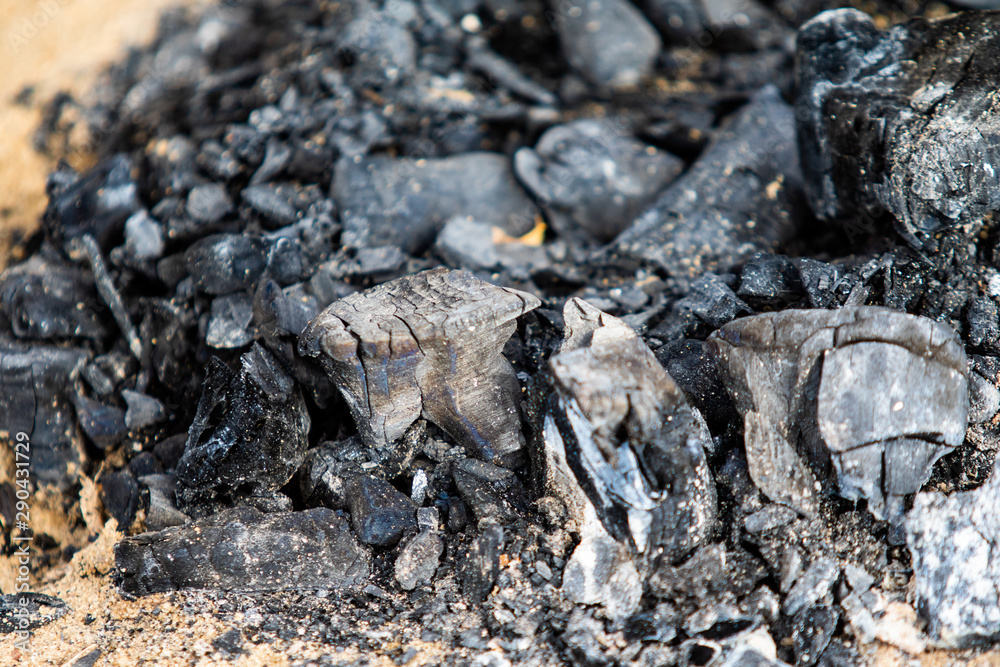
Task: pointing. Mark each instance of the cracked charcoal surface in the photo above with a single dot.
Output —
(877, 395)
(257, 163)
(426, 345)
(901, 120)
(244, 550)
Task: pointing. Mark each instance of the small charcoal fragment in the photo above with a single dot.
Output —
(110, 294)
(243, 550)
(479, 568)
(877, 395)
(249, 434)
(143, 237)
(208, 204)
(770, 281)
(379, 512)
(142, 410)
(229, 325)
(97, 203)
(619, 438)
(226, 263)
(418, 559)
(734, 201)
(120, 495)
(405, 202)
(984, 399)
(34, 400)
(36, 609)
(900, 121)
(492, 492)
(45, 301)
(811, 633)
(103, 424)
(429, 345)
(601, 571)
(610, 42)
(595, 175)
(954, 541)
(162, 511)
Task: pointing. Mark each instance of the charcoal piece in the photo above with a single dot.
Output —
(45, 301)
(110, 295)
(226, 263)
(229, 325)
(427, 344)
(379, 513)
(984, 399)
(375, 262)
(865, 396)
(693, 369)
(770, 281)
(983, 319)
(120, 495)
(491, 492)
(713, 301)
(404, 202)
(418, 559)
(722, 25)
(595, 175)
(97, 203)
(103, 424)
(249, 434)
(326, 470)
(812, 629)
(812, 587)
(143, 410)
(479, 567)
(601, 571)
(37, 610)
(734, 201)
(954, 541)
(900, 120)
(162, 511)
(618, 438)
(655, 625)
(379, 47)
(170, 450)
(144, 463)
(819, 280)
(208, 204)
(143, 237)
(610, 42)
(34, 399)
(229, 643)
(243, 550)
(278, 205)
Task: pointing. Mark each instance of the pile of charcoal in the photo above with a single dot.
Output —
(656, 333)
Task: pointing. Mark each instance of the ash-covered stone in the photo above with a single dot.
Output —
(594, 175)
(618, 438)
(736, 200)
(379, 512)
(426, 345)
(954, 540)
(900, 120)
(241, 549)
(226, 459)
(405, 202)
(490, 491)
(610, 42)
(866, 396)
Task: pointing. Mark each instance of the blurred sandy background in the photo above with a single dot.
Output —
(54, 45)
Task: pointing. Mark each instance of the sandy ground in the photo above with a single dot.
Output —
(53, 45)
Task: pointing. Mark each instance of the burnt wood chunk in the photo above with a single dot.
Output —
(619, 436)
(427, 344)
(241, 549)
(867, 397)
